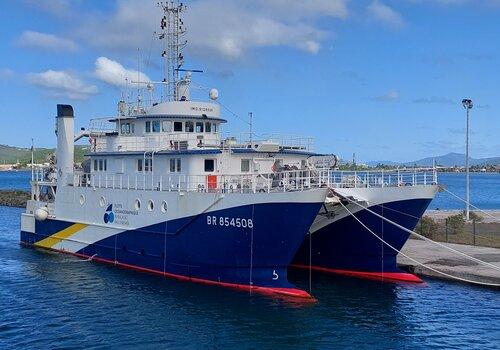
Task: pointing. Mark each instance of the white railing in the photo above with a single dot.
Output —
(102, 125)
(155, 142)
(287, 141)
(378, 178)
(239, 183)
(295, 180)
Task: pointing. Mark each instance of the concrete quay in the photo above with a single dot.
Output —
(450, 262)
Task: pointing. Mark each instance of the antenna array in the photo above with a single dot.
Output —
(172, 34)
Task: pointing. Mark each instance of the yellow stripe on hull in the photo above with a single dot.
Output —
(57, 237)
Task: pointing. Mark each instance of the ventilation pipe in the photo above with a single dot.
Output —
(65, 145)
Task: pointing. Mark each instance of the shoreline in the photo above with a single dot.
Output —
(14, 198)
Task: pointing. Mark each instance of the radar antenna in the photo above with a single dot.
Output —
(172, 34)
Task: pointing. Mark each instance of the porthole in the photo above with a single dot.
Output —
(151, 205)
(82, 199)
(102, 201)
(137, 204)
(164, 206)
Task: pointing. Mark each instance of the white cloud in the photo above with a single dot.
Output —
(113, 73)
(62, 84)
(227, 29)
(390, 96)
(46, 41)
(384, 14)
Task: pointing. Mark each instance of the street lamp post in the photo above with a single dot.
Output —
(467, 103)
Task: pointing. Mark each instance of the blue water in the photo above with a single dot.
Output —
(18, 180)
(485, 188)
(50, 300)
(485, 191)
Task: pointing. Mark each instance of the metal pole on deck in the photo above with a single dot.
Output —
(467, 103)
(32, 161)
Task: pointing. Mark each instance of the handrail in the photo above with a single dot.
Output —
(291, 180)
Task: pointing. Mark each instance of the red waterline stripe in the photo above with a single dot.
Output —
(283, 292)
(379, 276)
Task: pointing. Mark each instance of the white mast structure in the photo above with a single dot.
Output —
(172, 34)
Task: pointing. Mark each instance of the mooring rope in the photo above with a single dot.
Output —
(425, 238)
(456, 230)
(472, 205)
(416, 261)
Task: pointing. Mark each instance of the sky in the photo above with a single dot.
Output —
(380, 78)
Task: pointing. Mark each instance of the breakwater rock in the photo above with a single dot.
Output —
(14, 198)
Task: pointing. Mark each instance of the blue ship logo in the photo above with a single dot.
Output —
(109, 216)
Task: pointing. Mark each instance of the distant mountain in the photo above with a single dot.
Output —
(448, 160)
(11, 155)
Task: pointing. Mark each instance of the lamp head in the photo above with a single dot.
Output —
(467, 103)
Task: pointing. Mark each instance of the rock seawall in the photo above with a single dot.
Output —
(13, 198)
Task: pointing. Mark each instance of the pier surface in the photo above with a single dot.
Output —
(450, 262)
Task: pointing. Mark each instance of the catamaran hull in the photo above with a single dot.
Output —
(339, 244)
(245, 247)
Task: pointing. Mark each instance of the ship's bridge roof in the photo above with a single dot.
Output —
(168, 116)
(180, 110)
(186, 108)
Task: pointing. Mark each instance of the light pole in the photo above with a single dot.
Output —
(467, 103)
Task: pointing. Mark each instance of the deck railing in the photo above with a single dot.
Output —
(286, 181)
(378, 178)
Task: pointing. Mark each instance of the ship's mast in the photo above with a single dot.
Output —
(172, 35)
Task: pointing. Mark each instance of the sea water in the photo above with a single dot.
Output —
(51, 300)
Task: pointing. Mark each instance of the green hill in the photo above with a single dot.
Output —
(10, 154)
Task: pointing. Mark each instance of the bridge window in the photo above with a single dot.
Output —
(245, 165)
(144, 164)
(166, 126)
(175, 165)
(208, 127)
(178, 126)
(209, 165)
(156, 126)
(148, 126)
(189, 127)
(199, 127)
(214, 127)
(148, 164)
(101, 164)
(127, 128)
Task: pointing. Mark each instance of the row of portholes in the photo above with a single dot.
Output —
(137, 203)
(151, 205)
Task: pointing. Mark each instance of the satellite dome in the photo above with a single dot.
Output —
(214, 94)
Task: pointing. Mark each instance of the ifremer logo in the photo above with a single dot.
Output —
(109, 216)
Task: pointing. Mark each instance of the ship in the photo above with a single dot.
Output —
(365, 222)
(164, 192)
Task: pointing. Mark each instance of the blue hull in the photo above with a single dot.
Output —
(189, 248)
(346, 247)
